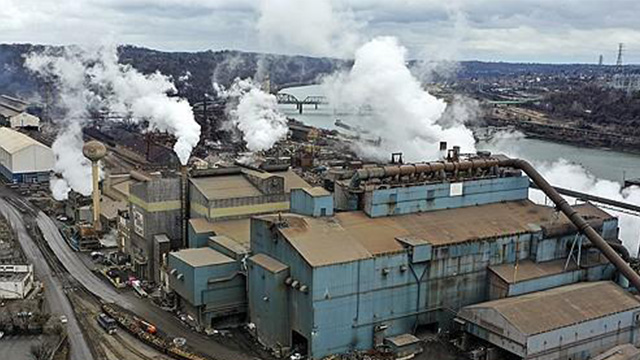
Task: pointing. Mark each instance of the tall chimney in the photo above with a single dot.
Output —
(94, 151)
(184, 185)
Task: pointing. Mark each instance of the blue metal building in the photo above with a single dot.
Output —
(210, 284)
(326, 285)
(575, 322)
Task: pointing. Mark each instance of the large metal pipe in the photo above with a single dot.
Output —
(502, 161)
(596, 199)
(577, 220)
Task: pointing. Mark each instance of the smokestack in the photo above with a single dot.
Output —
(94, 151)
(184, 184)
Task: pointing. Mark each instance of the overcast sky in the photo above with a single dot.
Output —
(498, 30)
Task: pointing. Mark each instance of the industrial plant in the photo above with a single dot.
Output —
(393, 252)
(269, 222)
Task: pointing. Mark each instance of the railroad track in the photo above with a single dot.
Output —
(132, 348)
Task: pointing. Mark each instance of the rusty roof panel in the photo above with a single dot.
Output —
(225, 187)
(560, 307)
(268, 263)
(528, 269)
(350, 236)
(202, 257)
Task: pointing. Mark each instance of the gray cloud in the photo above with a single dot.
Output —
(523, 30)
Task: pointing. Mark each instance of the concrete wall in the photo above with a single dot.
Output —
(154, 209)
(406, 200)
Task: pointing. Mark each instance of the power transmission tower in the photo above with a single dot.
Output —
(620, 50)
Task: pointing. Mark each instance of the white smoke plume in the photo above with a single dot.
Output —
(71, 164)
(563, 173)
(94, 80)
(255, 113)
(319, 27)
(403, 115)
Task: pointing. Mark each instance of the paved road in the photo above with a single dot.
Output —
(97, 286)
(54, 292)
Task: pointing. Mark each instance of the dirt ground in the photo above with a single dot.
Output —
(117, 346)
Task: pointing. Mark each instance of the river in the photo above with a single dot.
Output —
(604, 164)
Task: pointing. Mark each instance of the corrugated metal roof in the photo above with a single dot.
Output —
(201, 225)
(238, 230)
(316, 191)
(268, 263)
(548, 310)
(237, 185)
(292, 180)
(528, 269)
(351, 236)
(620, 352)
(403, 340)
(13, 141)
(202, 257)
(7, 112)
(225, 187)
(230, 244)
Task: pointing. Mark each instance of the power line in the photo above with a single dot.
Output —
(620, 51)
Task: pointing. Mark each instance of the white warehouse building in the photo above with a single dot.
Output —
(23, 159)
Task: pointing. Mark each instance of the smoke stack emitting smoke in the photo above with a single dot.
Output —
(255, 113)
(94, 80)
(403, 115)
(406, 118)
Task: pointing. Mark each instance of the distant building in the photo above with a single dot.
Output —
(16, 281)
(13, 113)
(23, 159)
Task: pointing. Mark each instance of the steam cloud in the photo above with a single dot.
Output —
(315, 26)
(255, 113)
(403, 115)
(94, 80)
(572, 176)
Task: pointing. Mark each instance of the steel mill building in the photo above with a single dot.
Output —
(447, 245)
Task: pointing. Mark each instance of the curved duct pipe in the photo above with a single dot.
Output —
(560, 203)
(618, 247)
(577, 220)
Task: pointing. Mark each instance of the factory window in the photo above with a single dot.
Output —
(138, 222)
(431, 194)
